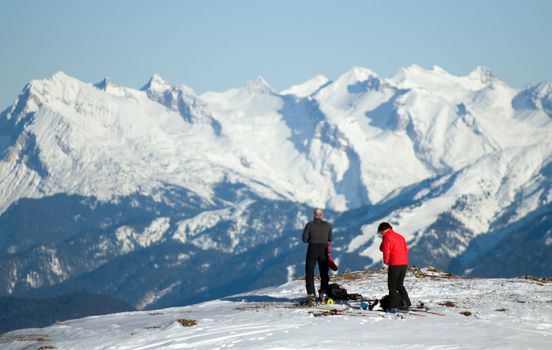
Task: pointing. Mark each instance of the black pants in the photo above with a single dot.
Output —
(316, 253)
(398, 297)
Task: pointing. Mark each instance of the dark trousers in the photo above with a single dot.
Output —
(398, 297)
(316, 253)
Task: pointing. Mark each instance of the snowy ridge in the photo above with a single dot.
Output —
(357, 129)
(128, 238)
(346, 136)
(477, 313)
(307, 88)
(190, 228)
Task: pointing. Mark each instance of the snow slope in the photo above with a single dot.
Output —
(505, 314)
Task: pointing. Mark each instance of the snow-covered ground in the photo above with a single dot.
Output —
(502, 314)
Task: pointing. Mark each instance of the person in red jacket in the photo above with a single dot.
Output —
(395, 254)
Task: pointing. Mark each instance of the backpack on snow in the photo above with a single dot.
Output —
(385, 301)
(335, 291)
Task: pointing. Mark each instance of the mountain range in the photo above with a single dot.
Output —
(163, 196)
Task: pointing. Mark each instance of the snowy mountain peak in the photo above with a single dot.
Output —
(36, 93)
(411, 76)
(357, 74)
(259, 85)
(156, 84)
(438, 80)
(404, 72)
(483, 74)
(439, 70)
(307, 88)
(52, 85)
(61, 76)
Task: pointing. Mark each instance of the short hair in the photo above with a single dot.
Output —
(384, 226)
(318, 213)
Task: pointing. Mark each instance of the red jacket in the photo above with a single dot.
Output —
(394, 248)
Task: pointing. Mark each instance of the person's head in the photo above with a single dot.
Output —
(382, 227)
(318, 213)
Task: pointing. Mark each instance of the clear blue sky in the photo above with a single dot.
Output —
(216, 45)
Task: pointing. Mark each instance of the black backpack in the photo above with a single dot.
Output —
(384, 302)
(335, 291)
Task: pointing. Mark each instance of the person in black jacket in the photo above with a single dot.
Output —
(317, 234)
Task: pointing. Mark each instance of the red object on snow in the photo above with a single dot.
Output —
(331, 263)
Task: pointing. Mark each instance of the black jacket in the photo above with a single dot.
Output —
(317, 231)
